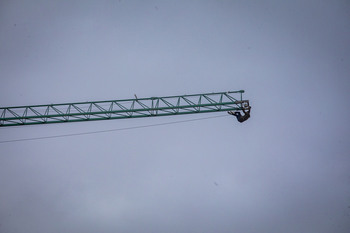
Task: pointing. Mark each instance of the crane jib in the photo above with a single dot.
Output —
(120, 109)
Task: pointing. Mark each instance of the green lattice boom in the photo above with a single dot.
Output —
(119, 109)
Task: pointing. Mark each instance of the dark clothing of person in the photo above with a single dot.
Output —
(241, 118)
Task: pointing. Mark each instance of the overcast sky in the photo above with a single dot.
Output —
(287, 169)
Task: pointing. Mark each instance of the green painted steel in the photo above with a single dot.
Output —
(119, 109)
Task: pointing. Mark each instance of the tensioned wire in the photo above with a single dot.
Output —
(109, 130)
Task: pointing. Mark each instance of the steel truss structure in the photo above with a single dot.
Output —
(119, 109)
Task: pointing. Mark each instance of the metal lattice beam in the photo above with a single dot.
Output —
(119, 109)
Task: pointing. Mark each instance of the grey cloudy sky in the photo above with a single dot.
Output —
(287, 169)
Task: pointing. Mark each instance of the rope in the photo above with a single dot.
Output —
(109, 130)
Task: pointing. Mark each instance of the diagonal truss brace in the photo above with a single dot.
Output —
(119, 109)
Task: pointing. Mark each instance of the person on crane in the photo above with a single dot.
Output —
(241, 118)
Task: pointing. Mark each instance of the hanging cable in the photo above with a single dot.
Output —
(109, 130)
